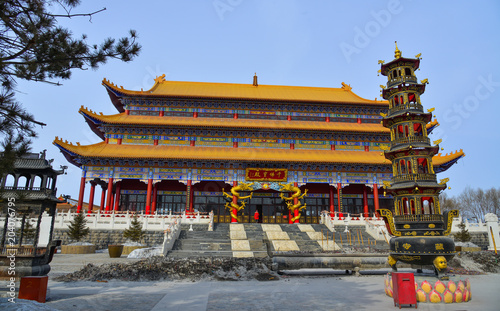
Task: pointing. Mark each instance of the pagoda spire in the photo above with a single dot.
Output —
(397, 53)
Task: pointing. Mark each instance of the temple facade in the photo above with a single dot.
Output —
(180, 146)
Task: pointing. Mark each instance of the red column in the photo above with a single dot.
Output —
(332, 147)
(339, 199)
(117, 195)
(188, 196)
(162, 113)
(327, 119)
(192, 143)
(289, 118)
(127, 112)
(359, 120)
(106, 140)
(103, 198)
(296, 201)
(235, 201)
(292, 146)
(367, 148)
(110, 194)
(112, 203)
(332, 204)
(195, 114)
(191, 191)
(119, 141)
(155, 192)
(91, 198)
(148, 196)
(235, 144)
(375, 197)
(155, 142)
(80, 196)
(235, 116)
(365, 202)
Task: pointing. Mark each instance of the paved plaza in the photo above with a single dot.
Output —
(296, 292)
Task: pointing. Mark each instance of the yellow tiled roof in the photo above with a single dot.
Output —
(122, 118)
(123, 151)
(248, 92)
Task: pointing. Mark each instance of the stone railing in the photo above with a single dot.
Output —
(377, 229)
(171, 235)
(121, 221)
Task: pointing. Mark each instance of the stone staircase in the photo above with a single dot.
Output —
(201, 242)
(259, 240)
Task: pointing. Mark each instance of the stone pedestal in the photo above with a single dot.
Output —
(493, 232)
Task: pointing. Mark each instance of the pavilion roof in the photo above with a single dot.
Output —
(161, 152)
(282, 93)
(124, 119)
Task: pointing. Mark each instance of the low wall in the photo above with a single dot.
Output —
(102, 238)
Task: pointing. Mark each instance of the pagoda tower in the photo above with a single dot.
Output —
(418, 227)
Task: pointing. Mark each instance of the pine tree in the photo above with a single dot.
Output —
(134, 232)
(35, 47)
(78, 228)
(463, 235)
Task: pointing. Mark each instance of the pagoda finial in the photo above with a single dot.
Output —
(255, 80)
(397, 53)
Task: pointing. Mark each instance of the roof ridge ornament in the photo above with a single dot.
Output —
(255, 80)
(397, 53)
(346, 87)
(160, 79)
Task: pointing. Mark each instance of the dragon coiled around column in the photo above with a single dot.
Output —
(297, 194)
(233, 207)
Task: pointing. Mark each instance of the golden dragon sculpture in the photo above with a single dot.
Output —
(297, 194)
(233, 207)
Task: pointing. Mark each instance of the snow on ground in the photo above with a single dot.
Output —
(23, 305)
(141, 253)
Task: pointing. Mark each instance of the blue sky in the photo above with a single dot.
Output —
(292, 42)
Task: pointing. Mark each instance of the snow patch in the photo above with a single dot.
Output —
(133, 244)
(80, 243)
(141, 253)
(23, 305)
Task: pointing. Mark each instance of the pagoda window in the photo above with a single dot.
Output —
(422, 166)
(9, 181)
(417, 129)
(410, 171)
(394, 73)
(37, 182)
(401, 100)
(400, 131)
(406, 208)
(23, 182)
(399, 72)
(412, 205)
(412, 98)
(427, 205)
(396, 100)
(402, 167)
(407, 72)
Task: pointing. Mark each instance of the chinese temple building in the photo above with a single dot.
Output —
(181, 145)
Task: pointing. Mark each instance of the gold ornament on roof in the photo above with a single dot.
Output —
(381, 62)
(431, 109)
(382, 87)
(397, 53)
(444, 181)
(418, 55)
(160, 79)
(383, 114)
(437, 142)
(424, 81)
(387, 184)
(346, 87)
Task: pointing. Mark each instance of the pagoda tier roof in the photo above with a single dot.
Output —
(183, 153)
(94, 119)
(234, 91)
